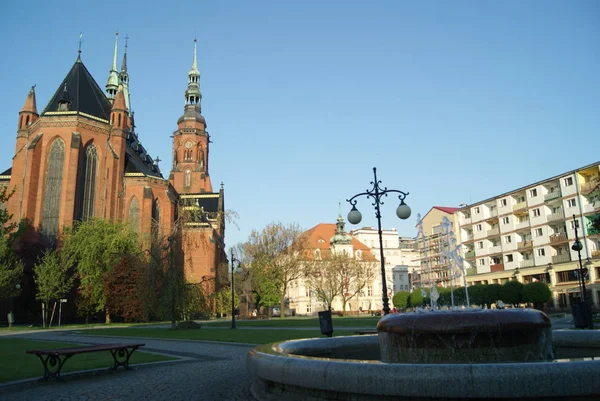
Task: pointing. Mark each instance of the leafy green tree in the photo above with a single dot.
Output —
(416, 298)
(11, 268)
(223, 301)
(264, 285)
(53, 281)
(400, 299)
(95, 247)
(277, 254)
(476, 294)
(490, 294)
(510, 292)
(123, 287)
(197, 304)
(537, 293)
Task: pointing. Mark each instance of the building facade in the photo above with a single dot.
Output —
(81, 158)
(527, 234)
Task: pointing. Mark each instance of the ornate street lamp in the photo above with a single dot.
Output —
(578, 246)
(233, 260)
(584, 311)
(354, 217)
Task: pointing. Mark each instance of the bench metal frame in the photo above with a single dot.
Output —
(53, 363)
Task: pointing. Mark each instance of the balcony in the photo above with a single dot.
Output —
(526, 263)
(524, 245)
(493, 231)
(468, 237)
(498, 267)
(493, 250)
(493, 215)
(472, 271)
(596, 253)
(466, 221)
(560, 215)
(520, 207)
(565, 257)
(522, 224)
(469, 255)
(590, 186)
(558, 238)
(555, 194)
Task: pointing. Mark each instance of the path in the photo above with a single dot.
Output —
(212, 371)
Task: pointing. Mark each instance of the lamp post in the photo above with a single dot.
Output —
(582, 313)
(354, 217)
(233, 260)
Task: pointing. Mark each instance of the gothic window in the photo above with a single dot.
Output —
(54, 176)
(86, 183)
(188, 179)
(134, 213)
(155, 219)
(201, 159)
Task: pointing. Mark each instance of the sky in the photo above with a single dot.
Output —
(453, 101)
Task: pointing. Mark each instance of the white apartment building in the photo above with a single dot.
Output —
(397, 251)
(527, 234)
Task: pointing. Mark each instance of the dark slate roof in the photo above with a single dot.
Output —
(209, 204)
(7, 172)
(83, 92)
(137, 159)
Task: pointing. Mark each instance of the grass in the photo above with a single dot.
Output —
(23, 366)
(76, 326)
(217, 334)
(363, 322)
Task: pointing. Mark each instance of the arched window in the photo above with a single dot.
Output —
(155, 229)
(134, 213)
(187, 179)
(86, 183)
(54, 176)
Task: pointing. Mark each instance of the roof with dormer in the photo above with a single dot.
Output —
(320, 235)
(84, 94)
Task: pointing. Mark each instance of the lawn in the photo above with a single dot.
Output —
(24, 366)
(366, 322)
(249, 336)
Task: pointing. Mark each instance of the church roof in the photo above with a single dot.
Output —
(84, 94)
(137, 159)
(319, 236)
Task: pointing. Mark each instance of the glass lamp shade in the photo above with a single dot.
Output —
(403, 211)
(354, 217)
(577, 246)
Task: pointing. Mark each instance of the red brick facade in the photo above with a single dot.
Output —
(104, 172)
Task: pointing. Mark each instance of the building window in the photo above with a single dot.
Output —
(536, 212)
(54, 175)
(505, 220)
(568, 181)
(369, 291)
(155, 219)
(308, 308)
(503, 202)
(86, 183)
(572, 202)
(539, 232)
(507, 239)
(476, 210)
(479, 228)
(480, 245)
(541, 252)
(187, 179)
(481, 262)
(533, 193)
(574, 224)
(134, 214)
(509, 258)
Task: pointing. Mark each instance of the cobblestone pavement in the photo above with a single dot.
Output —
(210, 371)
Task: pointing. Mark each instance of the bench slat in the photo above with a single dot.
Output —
(83, 349)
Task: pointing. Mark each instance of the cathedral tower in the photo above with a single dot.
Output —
(189, 173)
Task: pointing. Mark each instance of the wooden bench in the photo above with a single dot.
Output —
(54, 359)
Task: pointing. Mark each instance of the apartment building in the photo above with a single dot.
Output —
(527, 234)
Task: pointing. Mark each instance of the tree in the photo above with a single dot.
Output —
(276, 253)
(510, 292)
(11, 268)
(53, 281)
(223, 301)
(490, 294)
(400, 299)
(354, 275)
(537, 293)
(321, 277)
(123, 287)
(95, 247)
(264, 285)
(416, 298)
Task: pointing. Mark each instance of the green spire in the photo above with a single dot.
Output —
(112, 84)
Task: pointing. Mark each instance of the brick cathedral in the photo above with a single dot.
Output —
(80, 158)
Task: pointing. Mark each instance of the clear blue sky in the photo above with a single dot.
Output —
(453, 101)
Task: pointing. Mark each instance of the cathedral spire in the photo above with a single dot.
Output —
(112, 85)
(124, 76)
(193, 96)
(28, 113)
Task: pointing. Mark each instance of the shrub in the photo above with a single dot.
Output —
(400, 299)
(188, 324)
(490, 294)
(510, 292)
(416, 298)
(537, 293)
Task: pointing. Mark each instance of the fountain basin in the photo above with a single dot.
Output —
(466, 336)
(314, 369)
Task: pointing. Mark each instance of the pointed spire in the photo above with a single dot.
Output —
(195, 61)
(193, 96)
(112, 84)
(124, 76)
(120, 104)
(30, 104)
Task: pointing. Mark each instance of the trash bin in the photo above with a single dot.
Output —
(326, 323)
(582, 315)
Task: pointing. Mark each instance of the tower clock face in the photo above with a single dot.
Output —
(188, 145)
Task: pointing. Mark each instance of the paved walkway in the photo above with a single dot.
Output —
(210, 371)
